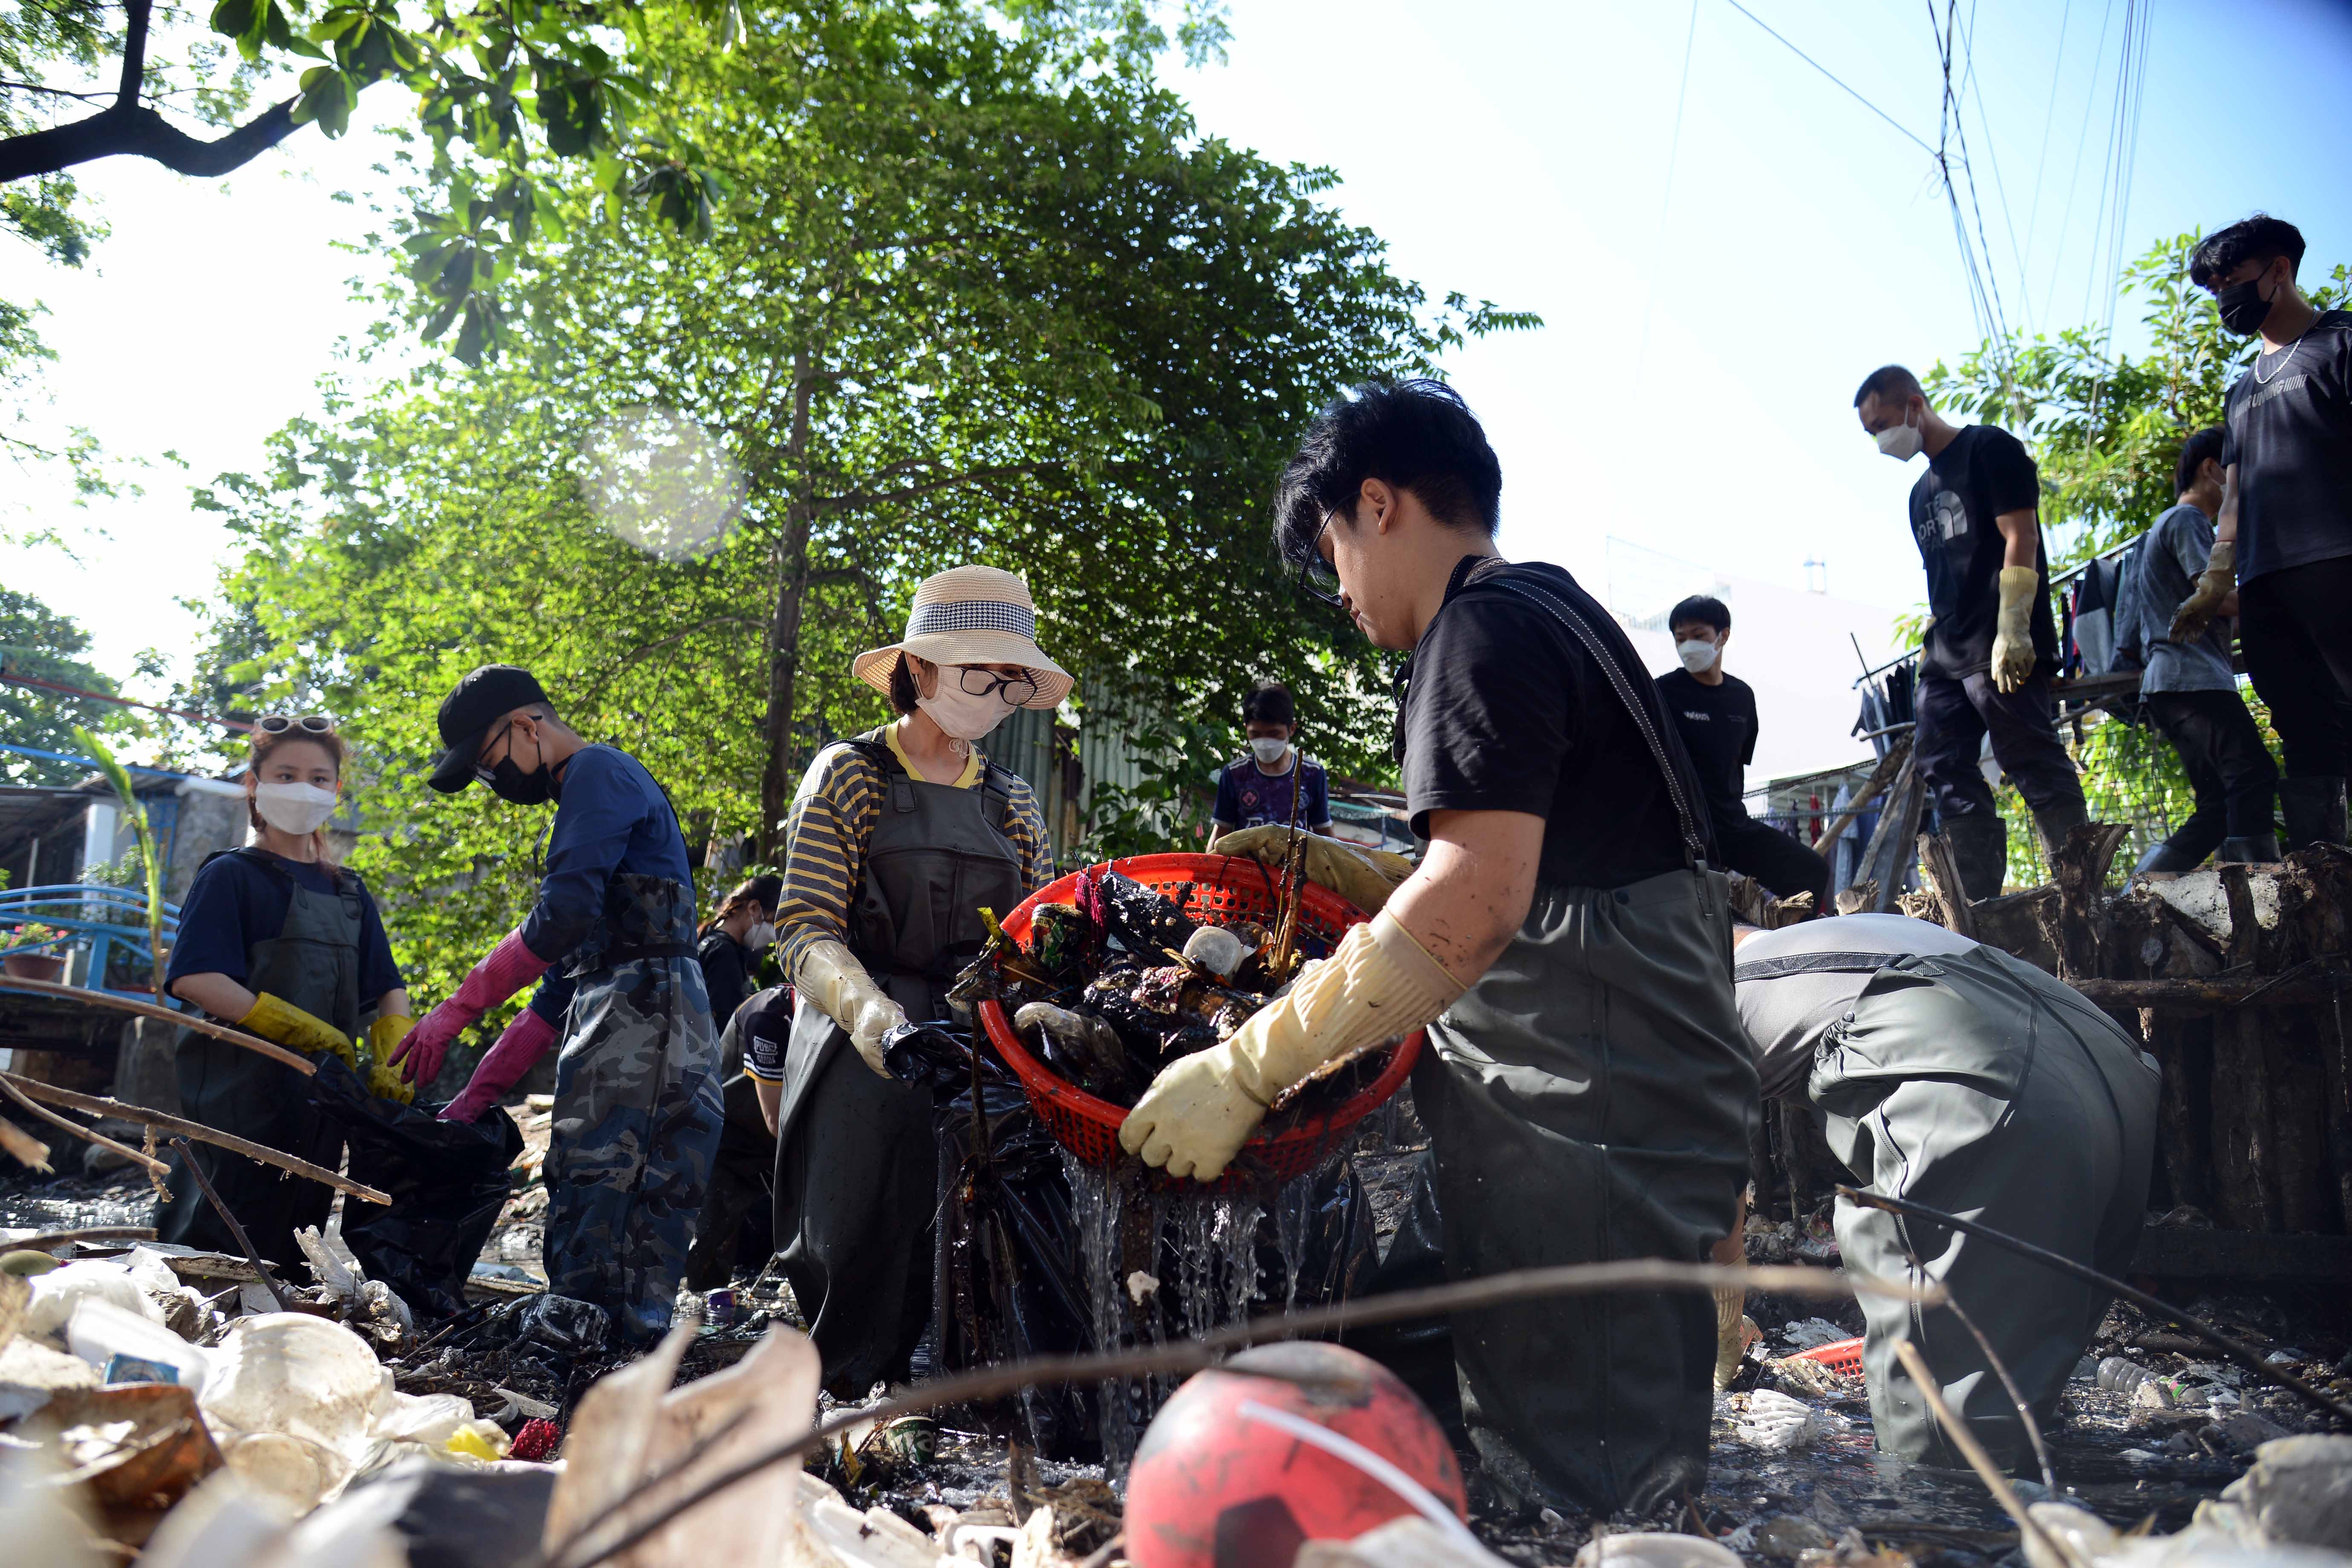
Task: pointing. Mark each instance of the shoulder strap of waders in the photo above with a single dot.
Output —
(896, 782)
(1578, 628)
(997, 795)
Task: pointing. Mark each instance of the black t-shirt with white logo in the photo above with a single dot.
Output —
(1718, 726)
(2290, 436)
(1984, 472)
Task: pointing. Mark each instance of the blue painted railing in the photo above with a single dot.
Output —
(111, 923)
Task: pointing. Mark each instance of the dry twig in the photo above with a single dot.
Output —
(83, 995)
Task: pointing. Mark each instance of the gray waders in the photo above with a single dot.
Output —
(637, 1109)
(1590, 1097)
(1976, 1084)
(313, 964)
(856, 1164)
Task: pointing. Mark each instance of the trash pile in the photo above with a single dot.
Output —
(1120, 981)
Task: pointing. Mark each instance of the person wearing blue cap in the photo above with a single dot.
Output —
(610, 943)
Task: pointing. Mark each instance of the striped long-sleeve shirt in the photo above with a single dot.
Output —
(831, 821)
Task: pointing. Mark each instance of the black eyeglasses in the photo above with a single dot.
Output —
(1317, 578)
(308, 724)
(1017, 690)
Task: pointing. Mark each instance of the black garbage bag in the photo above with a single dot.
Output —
(447, 1181)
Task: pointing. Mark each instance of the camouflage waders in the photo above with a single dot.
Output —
(637, 1109)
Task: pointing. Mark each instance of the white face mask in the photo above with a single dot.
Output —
(295, 808)
(761, 935)
(1695, 655)
(957, 711)
(1900, 442)
(1270, 752)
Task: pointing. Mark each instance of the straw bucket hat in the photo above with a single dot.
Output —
(971, 614)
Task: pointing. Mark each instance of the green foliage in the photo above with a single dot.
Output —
(2107, 429)
(151, 859)
(38, 643)
(969, 294)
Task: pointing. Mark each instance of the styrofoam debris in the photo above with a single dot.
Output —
(1778, 1423)
(1806, 1333)
(56, 1293)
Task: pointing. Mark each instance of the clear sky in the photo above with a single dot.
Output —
(1692, 389)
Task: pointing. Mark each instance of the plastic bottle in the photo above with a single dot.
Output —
(2119, 1376)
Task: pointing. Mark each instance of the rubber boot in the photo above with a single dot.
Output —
(1981, 852)
(2313, 810)
(2261, 849)
(2163, 855)
(2056, 823)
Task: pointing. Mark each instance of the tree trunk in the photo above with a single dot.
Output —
(2184, 1117)
(784, 628)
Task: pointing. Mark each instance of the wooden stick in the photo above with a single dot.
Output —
(1942, 874)
(1190, 1355)
(2216, 993)
(1896, 755)
(50, 1239)
(8, 1082)
(204, 1186)
(276, 1053)
(1973, 1451)
(97, 1105)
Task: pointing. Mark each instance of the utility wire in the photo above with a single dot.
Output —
(1825, 70)
(2081, 139)
(1666, 196)
(2049, 114)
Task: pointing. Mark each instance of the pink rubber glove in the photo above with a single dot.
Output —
(503, 1065)
(509, 967)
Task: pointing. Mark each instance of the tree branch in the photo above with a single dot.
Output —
(132, 128)
(135, 54)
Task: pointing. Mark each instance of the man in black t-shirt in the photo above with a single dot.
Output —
(1990, 652)
(1586, 1087)
(1717, 715)
(2284, 540)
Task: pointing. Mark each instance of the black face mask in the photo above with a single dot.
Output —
(510, 783)
(2243, 309)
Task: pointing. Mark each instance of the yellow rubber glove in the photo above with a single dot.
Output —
(1379, 984)
(2012, 643)
(2215, 583)
(1362, 876)
(384, 1078)
(829, 975)
(290, 1026)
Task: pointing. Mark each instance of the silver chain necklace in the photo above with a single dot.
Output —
(2293, 349)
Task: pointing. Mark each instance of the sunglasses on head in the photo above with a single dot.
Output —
(308, 724)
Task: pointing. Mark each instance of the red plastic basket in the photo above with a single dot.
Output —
(1840, 1356)
(1225, 887)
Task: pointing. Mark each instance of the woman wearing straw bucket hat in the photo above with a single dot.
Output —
(898, 839)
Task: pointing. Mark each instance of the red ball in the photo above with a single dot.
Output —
(1215, 1487)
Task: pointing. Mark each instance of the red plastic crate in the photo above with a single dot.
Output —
(1225, 887)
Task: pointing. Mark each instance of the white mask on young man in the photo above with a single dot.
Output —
(1270, 752)
(761, 935)
(295, 808)
(1697, 655)
(1902, 442)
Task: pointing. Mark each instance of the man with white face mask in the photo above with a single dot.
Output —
(1717, 715)
(898, 839)
(1263, 787)
(1985, 666)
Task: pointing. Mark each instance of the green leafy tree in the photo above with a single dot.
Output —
(37, 644)
(976, 293)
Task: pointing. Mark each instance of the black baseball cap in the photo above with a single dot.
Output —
(481, 699)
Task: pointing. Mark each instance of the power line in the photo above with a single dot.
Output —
(2081, 139)
(1666, 196)
(2041, 162)
(1825, 70)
